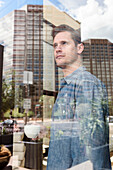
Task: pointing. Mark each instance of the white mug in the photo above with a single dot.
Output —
(32, 131)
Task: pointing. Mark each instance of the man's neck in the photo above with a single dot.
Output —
(69, 70)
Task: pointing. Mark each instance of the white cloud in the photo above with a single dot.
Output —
(96, 21)
(1, 3)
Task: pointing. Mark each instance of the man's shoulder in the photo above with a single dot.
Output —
(86, 76)
(89, 83)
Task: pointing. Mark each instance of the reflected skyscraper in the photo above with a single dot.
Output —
(26, 35)
(98, 59)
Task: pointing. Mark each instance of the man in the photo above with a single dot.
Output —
(79, 131)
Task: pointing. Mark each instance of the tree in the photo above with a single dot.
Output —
(8, 95)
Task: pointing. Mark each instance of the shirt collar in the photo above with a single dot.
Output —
(73, 75)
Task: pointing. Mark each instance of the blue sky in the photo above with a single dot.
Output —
(95, 15)
(7, 6)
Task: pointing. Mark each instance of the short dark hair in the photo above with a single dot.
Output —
(75, 34)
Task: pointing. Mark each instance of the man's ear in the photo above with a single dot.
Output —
(80, 48)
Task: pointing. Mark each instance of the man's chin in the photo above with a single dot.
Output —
(62, 66)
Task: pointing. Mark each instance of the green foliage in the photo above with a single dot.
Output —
(8, 94)
(4, 132)
(30, 114)
(11, 96)
(16, 114)
(110, 103)
(6, 114)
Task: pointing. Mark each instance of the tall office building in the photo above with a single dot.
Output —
(98, 59)
(21, 34)
(26, 35)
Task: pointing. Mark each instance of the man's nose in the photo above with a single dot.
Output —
(58, 48)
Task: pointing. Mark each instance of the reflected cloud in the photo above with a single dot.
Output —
(97, 16)
(1, 3)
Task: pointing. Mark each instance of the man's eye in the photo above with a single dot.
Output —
(64, 42)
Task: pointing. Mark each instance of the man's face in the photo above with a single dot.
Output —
(65, 51)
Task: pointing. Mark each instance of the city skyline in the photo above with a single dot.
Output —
(95, 15)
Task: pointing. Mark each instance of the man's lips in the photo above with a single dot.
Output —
(59, 56)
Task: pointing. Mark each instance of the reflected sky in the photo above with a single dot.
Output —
(95, 15)
(7, 6)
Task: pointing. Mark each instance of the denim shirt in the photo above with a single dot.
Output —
(79, 128)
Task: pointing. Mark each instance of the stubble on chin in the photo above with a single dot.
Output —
(60, 65)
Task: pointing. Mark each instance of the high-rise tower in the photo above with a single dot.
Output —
(98, 59)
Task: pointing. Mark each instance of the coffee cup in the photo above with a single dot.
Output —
(32, 131)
